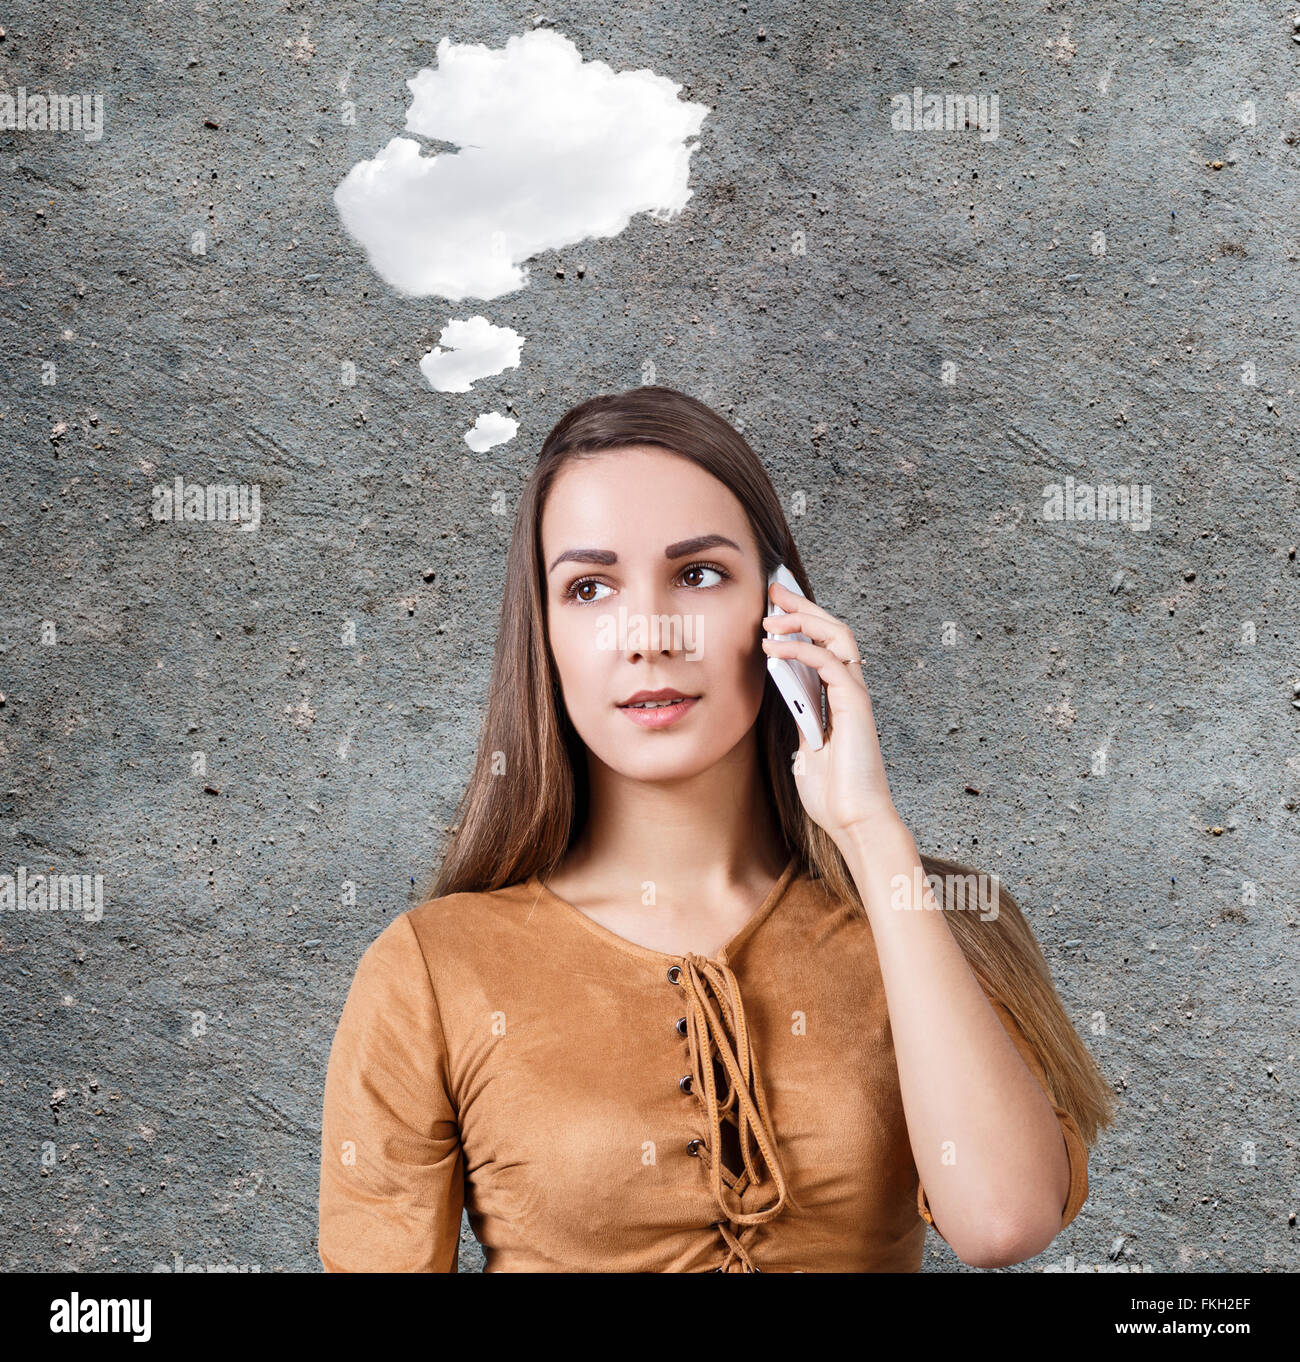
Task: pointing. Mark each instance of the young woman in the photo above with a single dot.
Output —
(674, 1003)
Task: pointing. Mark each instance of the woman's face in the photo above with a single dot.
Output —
(653, 583)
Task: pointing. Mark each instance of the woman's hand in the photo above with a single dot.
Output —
(843, 785)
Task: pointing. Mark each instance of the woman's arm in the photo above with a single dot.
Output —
(392, 1170)
(987, 1144)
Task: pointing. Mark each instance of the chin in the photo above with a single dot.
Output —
(656, 757)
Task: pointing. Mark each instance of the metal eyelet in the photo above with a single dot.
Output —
(693, 1148)
(681, 1026)
(675, 974)
(684, 1083)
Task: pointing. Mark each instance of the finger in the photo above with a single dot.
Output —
(809, 610)
(792, 600)
(837, 639)
(832, 634)
(835, 676)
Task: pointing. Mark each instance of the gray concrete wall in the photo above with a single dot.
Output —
(168, 1060)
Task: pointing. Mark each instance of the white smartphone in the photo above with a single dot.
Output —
(799, 684)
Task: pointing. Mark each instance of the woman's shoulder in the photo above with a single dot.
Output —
(454, 925)
(471, 905)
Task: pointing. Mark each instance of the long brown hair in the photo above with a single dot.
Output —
(509, 829)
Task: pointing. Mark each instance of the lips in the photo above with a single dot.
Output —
(658, 708)
(653, 696)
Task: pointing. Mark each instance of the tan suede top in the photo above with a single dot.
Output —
(505, 1053)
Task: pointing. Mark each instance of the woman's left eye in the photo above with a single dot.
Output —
(705, 567)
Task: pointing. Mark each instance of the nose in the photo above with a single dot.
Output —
(653, 629)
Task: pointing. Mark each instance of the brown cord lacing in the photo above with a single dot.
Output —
(737, 1251)
(745, 1094)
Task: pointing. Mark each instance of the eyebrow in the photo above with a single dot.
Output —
(677, 550)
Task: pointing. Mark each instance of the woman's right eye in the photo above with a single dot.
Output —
(576, 591)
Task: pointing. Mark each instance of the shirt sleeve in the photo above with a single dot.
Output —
(392, 1171)
(1074, 1145)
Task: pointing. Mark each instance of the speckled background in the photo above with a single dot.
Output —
(1102, 275)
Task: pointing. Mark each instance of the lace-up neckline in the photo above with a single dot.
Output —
(716, 1024)
(717, 1031)
(723, 955)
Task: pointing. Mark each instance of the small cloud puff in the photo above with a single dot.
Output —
(475, 349)
(490, 429)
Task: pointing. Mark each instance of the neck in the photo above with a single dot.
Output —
(699, 836)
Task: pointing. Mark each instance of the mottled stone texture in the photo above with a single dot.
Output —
(172, 1055)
